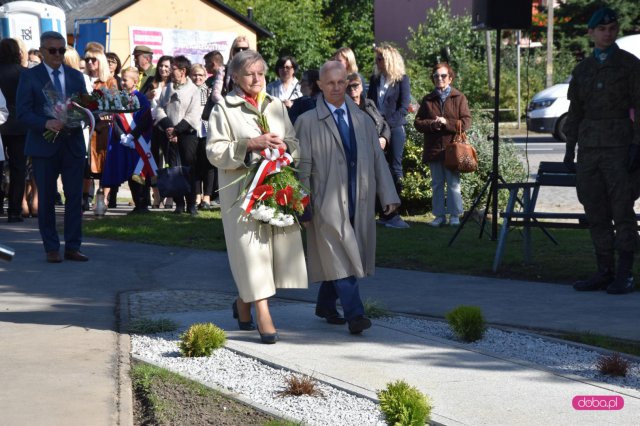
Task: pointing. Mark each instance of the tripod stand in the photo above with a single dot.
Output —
(494, 177)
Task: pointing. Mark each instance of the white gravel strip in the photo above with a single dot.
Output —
(261, 383)
(258, 382)
(560, 357)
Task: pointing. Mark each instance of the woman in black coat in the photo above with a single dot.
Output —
(13, 132)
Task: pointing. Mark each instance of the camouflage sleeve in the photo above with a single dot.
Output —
(575, 114)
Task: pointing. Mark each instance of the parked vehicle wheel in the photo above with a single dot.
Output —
(558, 132)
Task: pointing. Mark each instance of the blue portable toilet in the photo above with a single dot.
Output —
(26, 20)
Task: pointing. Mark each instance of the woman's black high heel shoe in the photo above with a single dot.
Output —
(242, 325)
(269, 339)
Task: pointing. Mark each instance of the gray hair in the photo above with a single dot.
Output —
(52, 35)
(330, 66)
(245, 58)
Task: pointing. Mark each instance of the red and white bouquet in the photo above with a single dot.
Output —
(274, 194)
(74, 112)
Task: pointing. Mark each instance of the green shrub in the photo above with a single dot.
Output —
(375, 309)
(416, 193)
(467, 323)
(150, 326)
(201, 340)
(404, 405)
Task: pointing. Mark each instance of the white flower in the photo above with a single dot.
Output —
(263, 213)
(282, 220)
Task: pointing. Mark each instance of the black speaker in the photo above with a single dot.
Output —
(501, 14)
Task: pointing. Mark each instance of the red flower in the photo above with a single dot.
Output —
(305, 201)
(263, 192)
(284, 196)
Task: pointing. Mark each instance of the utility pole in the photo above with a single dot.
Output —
(549, 43)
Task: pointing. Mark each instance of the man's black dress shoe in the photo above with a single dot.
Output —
(53, 257)
(75, 255)
(359, 324)
(332, 316)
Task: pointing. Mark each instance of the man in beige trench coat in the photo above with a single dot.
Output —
(343, 165)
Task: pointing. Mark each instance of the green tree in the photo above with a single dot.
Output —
(572, 17)
(301, 31)
(352, 22)
(313, 29)
(443, 37)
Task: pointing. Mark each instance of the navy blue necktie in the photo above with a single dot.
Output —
(56, 82)
(343, 128)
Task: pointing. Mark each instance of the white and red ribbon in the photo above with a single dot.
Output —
(146, 166)
(274, 160)
(89, 114)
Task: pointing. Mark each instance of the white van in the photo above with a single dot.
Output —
(548, 109)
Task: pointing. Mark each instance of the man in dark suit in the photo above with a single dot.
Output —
(65, 155)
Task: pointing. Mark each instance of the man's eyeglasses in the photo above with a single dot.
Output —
(240, 49)
(442, 76)
(198, 75)
(353, 86)
(53, 50)
(90, 59)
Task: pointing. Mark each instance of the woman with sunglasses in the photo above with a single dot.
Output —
(389, 89)
(437, 118)
(240, 44)
(287, 87)
(97, 68)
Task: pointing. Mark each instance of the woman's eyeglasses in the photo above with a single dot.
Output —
(286, 67)
(442, 76)
(239, 49)
(53, 50)
(353, 86)
(90, 59)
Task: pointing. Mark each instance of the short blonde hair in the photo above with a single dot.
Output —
(394, 64)
(199, 67)
(349, 56)
(72, 58)
(131, 70)
(24, 53)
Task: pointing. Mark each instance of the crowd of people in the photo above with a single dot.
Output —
(345, 136)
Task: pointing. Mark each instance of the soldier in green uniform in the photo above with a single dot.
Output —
(604, 120)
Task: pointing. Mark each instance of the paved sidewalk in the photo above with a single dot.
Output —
(63, 362)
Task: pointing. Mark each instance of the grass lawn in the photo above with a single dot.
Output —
(420, 248)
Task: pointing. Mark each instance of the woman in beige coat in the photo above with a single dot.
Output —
(262, 257)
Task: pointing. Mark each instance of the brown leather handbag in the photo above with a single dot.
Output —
(460, 155)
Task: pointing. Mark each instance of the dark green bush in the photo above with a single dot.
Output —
(467, 323)
(201, 339)
(416, 193)
(404, 405)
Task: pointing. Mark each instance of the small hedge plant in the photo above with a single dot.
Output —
(404, 405)
(201, 340)
(467, 323)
